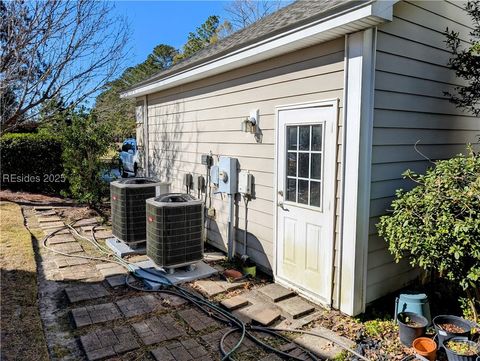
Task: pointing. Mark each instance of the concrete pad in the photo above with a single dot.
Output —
(322, 347)
(121, 249)
(86, 222)
(275, 292)
(296, 307)
(299, 322)
(51, 225)
(68, 248)
(46, 213)
(261, 314)
(199, 270)
(49, 219)
(110, 269)
(234, 303)
(64, 261)
(212, 288)
(103, 234)
(61, 238)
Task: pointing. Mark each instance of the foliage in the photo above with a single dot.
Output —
(120, 113)
(67, 48)
(32, 162)
(245, 12)
(85, 141)
(466, 63)
(436, 225)
(205, 35)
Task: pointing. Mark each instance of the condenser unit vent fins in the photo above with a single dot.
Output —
(174, 230)
(127, 197)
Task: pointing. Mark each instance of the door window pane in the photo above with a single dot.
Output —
(292, 138)
(302, 191)
(315, 194)
(303, 165)
(292, 164)
(304, 162)
(291, 190)
(316, 166)
(317, 138)
(304, 137)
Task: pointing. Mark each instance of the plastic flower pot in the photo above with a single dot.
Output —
(411, 326)
(461, 349)
(448, 326)
(425, 347)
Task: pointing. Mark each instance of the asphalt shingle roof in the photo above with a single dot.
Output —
(296, 14)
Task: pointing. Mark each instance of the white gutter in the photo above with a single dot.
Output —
(369, 15)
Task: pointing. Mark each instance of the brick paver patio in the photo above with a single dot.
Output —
(141, 305)
(186, 350)
(158, 329)
(89, 315)
(108, 342)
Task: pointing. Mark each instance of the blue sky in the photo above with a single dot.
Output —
(168, 22)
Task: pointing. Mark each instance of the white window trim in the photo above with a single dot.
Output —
(367, 15)
(356, 177)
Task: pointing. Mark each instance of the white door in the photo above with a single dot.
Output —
(306, 148)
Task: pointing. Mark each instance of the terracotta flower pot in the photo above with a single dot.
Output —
(425, 347)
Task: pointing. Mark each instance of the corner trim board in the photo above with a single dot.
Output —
(358, 128)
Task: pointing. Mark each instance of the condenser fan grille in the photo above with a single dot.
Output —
(174, 232)
(128, 198)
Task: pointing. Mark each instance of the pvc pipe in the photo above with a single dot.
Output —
(230, 234)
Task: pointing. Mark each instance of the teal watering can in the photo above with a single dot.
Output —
(413, 302)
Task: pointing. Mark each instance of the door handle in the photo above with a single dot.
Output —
(281, 205)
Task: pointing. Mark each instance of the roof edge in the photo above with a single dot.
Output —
(336, 25)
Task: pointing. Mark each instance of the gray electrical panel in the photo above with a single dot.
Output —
(227, 175)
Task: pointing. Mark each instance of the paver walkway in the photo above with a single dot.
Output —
(112, 322)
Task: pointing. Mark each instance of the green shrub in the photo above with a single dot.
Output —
(436, 225)
(31, 162)
(85, 141)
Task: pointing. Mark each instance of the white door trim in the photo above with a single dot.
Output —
(334, 103)
(356, 178)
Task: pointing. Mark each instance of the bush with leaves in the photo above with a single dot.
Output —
(32, 162)
(436, 225)
(85, 141)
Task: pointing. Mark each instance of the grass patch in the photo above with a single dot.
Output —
(22, 336)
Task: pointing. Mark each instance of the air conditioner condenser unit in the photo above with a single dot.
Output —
(174, 230)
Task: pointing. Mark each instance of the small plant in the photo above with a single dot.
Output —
(436, 225)
(462, 348)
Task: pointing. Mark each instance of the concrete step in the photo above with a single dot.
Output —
(296, 307)
(234, 303)
(276, 293)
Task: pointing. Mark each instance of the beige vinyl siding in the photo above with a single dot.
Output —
(411, 76)
(193, 119)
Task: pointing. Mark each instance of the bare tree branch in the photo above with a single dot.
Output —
(245, 12)
(56, 48)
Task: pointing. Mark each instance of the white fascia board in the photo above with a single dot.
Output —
(308, 35)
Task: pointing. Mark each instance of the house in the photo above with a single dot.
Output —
(349, 95)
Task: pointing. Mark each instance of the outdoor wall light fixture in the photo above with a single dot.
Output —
(249, 125)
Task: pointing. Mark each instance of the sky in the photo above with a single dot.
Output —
(169, 22)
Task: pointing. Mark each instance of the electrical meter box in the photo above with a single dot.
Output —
(199, 183)
(227, 175)
(245, 183)
(214, 175)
